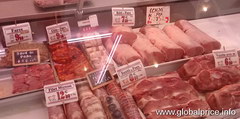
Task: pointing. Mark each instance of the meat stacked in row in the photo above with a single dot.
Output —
(167, 92)
(96, 51)
(52, 3)
(32, 77)
(221, 84)
(70, 62)
(153, 45)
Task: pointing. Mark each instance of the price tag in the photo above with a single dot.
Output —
(99, 78)
(226, 57)
(58, 32)
(123, 16)
(130, 73)
(25, 57)
(60, 93)
(89, 24)
(158, 15)
(18, 33)
(93, 20)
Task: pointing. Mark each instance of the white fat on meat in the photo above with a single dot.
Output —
(191, 47)
(159, 39)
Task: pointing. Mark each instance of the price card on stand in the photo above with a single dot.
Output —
(130, 73)
(58, 32)
(99, 78)
(60, 93)
(88, 24)
(123, 16)
(25, 57)
(226, 57)
(158, 15)
(18, 33)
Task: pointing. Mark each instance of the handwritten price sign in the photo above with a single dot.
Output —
(226, 57)
(130, 73)
(123, 16)
(62, 93)
(18, 33)
(158, 15)
(58, 32)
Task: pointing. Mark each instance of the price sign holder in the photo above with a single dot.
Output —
(89, 24)
(128, 74)
(226, 57)
(99, 78)
(60, 93)
(158, 15)
(25, 57)
(17, 33)
(58, 32)
(123, 16)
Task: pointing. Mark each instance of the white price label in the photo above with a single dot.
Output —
(123, 16)
(226, 57)
(60, 93)
(58, 32)
(18, 33)
(158, 15)
(93, 20)
(130, 73)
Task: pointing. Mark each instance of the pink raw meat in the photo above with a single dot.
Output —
(19, 87)
(199, 36)
(48, 3)
(191, 47)
(74, 111)
(19, 70)
(56, 112)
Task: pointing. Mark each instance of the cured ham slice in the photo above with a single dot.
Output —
(148, 51)
(191, 47)
(125, 100)
(225, 98)
(56, 112)
(74, 111)
(167, 92)
(199, 36)
(160, 40)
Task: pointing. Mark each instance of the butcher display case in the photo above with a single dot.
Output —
(123, 59)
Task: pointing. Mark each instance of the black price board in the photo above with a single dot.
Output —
(99, 78)
(25, 57)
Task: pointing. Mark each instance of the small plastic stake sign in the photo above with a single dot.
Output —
(158, 15)
(58, 32)
(17, 33)
(226, 57)
(60, 93)
(123, 16)
(128, 74)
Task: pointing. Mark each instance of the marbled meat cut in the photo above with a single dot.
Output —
(167, 92)
(195, 65)
(199, 36)
(123, 53)
(159, 39)
(227, 97)
(191, 47)
(32, 77)
(74, 111)
(216, 78)
(90, 104)
(56, 112)
(125, 100)
(148, 51)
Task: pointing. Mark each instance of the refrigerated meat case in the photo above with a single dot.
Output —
(218, 18)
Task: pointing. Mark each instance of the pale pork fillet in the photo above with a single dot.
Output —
(199, 36)
(74, 111)
(159, 39)
(56, 112)
(191, 47)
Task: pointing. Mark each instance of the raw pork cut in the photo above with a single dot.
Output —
(195, 65)
(49, 3)
(216, 78)
(167, 92)
(125, 100)
(159, 39)
(56, 112)
(74, 111)
(227, 97)
(191, 47)
(148, 51)
(199, 36)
